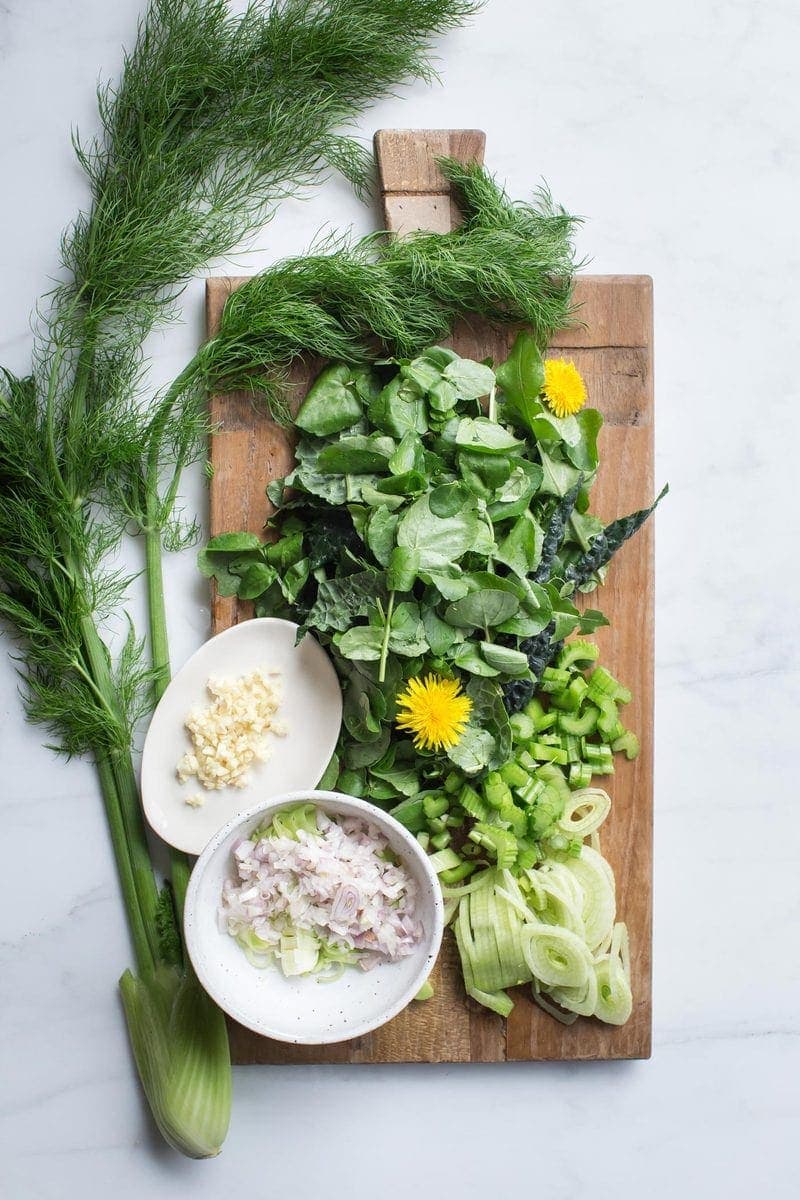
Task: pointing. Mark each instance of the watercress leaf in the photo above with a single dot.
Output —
(585, 528)
(375, 499)
(331, 404)
(470, 379)
(548, 427)
(449, 581)
(411, 483)
(521, 377)
(513, 497)
(255, 579)
(583, 454)
(275, 490)
(404, 779)
(287, 550)
(442, 397)
(380, 533)
(522, 546)
(489, 718)
(406, 632)
(402, 570)
(483, 436)
(361, 642)
(366, 754)
(426, 370)
(592, 619)
(409, 455)
(441, 636)
(564, 613)
(483, 474)
(292, 580)
(440, 541)
(366, 383)
(356, 455)
(558, 477)
(506, 661)
(467, 657)
(448, 499)
(342, 600)
(399, 408)
(488, 604)
(230, 542)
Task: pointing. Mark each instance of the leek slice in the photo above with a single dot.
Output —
(581, 1001)
(614, 997)
(585, 812)
(557, 957)
(599, 900)
(540, 996)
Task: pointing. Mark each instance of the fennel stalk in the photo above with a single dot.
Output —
(215, 119)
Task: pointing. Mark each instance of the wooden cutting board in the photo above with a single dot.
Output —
(613, 351)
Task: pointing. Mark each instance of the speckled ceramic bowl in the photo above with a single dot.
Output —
(303, 1009)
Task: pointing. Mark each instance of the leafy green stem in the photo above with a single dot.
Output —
(145, 960)
(387, 629)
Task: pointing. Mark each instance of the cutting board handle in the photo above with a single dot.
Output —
(414, 193)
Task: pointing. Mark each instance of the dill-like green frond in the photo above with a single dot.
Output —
(509, 262)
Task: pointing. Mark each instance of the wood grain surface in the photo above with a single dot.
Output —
(612, 347)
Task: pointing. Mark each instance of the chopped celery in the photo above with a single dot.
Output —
(581, 723)
(424, 839)
(472, 803)
(571, 697)
(437, 825)
(496, 792)
(548, 753)
(435, 805)
(425, 992)
(522, 727)
(452, 783)
(499, 842)
(554, 680)
(444, 860)
(628, 742)
(609, 717)
(456, 874)
(514, 775)
(578, 652)
(580, 775)
(455, 819)
(532, 791)
(440, 841)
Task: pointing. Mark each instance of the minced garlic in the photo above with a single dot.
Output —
(229, 734)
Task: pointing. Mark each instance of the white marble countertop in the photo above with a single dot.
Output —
(673, 126)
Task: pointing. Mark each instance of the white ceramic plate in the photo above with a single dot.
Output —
(303, 1009)
(311, 710)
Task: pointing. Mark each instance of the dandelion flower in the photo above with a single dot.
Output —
(435, 711)
(564, 389)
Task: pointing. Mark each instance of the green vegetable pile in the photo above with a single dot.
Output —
(437, 524)
(418, 534)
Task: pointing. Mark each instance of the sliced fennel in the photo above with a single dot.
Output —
(552, 926)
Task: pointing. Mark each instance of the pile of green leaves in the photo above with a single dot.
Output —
(418, 534)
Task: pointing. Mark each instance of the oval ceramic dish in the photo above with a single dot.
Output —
(311, 711)
(303, 1009)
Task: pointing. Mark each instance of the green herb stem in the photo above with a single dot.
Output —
(387, 629)
(142, 947)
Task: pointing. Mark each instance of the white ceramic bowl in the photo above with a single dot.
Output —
(311, 710)
(302, 1009)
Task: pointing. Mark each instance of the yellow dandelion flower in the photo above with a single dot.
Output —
(436, 712)
(564, 389)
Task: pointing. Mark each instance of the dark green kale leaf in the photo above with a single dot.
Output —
(554, 533)
(606, 544)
